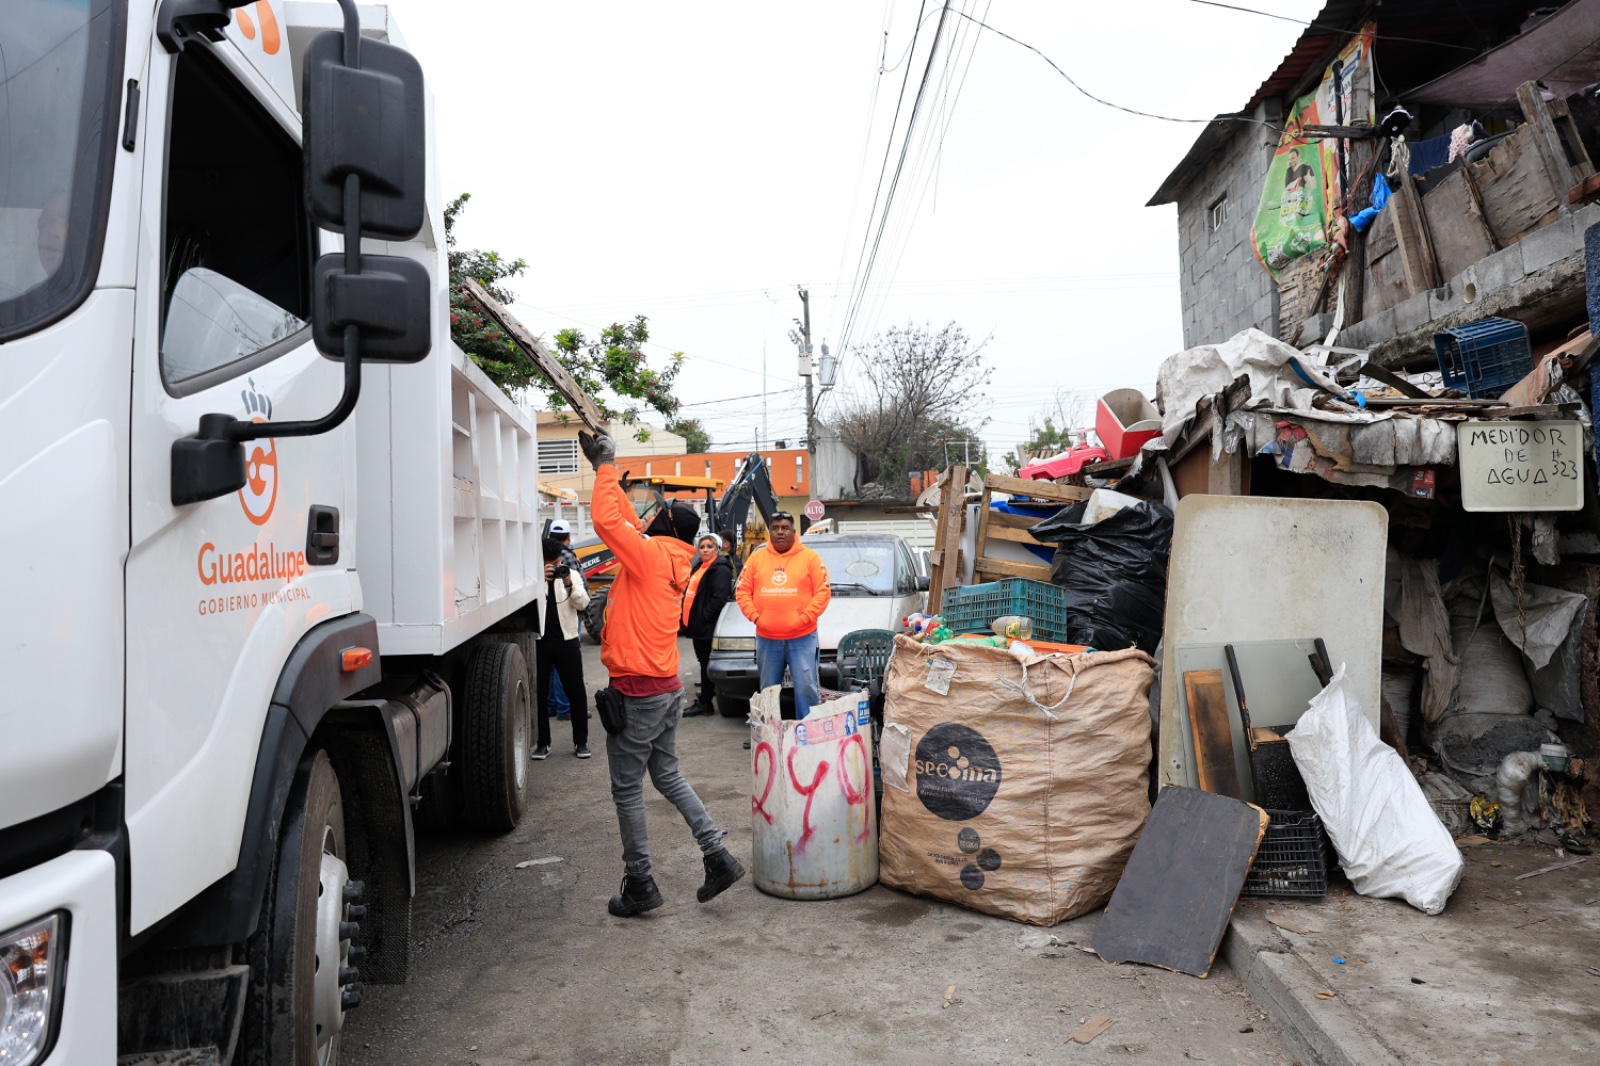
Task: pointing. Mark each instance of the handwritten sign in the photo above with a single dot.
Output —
(1520, 466)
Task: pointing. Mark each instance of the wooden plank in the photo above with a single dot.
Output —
(1567, 127)
(1515, 186)
(998, 568)
(980, 539)
(1384, 280)
(583, 404)
(1394, 381)
(946, 573)
(1546, 140)
(1460, 233)
(1016, 536)
(1411, 232)
(1213, 736)
(1043, 490)
(1180, 886)
(1013, 521)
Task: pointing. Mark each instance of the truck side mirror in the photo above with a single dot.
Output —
(365, 124)
(923, 583)
(364, 138)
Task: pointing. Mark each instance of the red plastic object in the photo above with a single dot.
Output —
(1124, 420)
(1066, 465)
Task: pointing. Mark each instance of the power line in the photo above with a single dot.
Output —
(894, 183)
(883, 169)
(1329, 27)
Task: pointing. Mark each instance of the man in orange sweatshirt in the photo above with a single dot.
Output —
(639, 646)
(784, 590)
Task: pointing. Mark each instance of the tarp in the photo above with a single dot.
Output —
(1301, 196)
(1554, 52)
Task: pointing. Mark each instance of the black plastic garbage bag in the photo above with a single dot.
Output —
(1115, 574)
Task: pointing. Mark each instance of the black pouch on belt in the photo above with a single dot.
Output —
(608, 701)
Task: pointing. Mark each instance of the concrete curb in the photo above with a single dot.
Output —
(1325, 1032)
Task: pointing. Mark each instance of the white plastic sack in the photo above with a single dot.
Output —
(1390, 841)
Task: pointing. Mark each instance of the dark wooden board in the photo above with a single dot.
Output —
(1182, 881)
(1213, 736)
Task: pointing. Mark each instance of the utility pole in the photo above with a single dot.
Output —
(805, 368)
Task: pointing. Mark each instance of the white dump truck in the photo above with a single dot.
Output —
(271, 561)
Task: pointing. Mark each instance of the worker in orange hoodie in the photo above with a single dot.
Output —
(784, 590)
(639, 646)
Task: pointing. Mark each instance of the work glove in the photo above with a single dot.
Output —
(598, 448)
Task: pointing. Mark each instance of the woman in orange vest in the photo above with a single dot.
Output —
(710, 589)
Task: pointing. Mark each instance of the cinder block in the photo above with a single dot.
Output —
(1371, 331)
(1551, 244)
(1493, 272)
(1447, 299)
(1411, 314)
(1584, 217)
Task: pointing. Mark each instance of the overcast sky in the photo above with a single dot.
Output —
(693, 162)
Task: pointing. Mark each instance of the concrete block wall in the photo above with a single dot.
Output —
(1222, 287)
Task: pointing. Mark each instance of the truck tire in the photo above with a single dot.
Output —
(594, 617)
(729, 707)
(497, 738)
(303, 977)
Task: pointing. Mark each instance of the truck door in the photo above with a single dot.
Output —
(219, 592)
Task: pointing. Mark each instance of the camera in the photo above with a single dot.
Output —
(561, 571)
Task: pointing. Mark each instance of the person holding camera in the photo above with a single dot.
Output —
(643, 703)
(559, 652)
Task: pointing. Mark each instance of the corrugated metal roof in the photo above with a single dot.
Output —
(1484, 23)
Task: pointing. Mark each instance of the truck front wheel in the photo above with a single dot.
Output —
(303, 976)
(497, 736)
(594, 617)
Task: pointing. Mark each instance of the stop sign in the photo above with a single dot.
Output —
(815, 510)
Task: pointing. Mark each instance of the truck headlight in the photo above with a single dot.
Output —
(31, 959)
(733, 643)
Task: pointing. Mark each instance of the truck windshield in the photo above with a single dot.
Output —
(60, 62)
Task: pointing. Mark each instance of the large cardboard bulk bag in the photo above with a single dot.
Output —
(1013, 785)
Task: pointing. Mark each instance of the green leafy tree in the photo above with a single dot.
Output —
(696, 437)
(611, 368)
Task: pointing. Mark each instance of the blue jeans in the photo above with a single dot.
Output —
(560, 706)
(800, 655)
(648, 743)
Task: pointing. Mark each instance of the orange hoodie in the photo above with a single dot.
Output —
(640, 638)
(784, 593)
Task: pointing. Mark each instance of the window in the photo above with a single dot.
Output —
(647, 470)
(558, 457)
(1219, 213)
(60, 78)
(677, 468)
(708, 468)
(238, 247)
(799, 470)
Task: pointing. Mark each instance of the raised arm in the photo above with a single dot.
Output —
(611, 511)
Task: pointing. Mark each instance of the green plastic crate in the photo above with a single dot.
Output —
(970, 608)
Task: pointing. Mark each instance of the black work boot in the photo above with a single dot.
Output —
(639, 894)
(722, 870)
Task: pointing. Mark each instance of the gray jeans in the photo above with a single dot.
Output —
(649, 742)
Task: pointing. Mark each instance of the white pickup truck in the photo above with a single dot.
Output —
(251, 627)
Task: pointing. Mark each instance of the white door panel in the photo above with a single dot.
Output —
(218, 592)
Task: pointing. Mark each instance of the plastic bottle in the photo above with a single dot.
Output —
(1014, 626)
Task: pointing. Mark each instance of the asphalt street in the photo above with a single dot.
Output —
(524, 965)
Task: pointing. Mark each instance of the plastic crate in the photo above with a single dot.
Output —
(970, 608)
(1292, 859)
(1484, 358)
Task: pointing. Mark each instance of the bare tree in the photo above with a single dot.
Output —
(1053, 427)
(921, 387)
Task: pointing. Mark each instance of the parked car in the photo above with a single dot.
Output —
(876, 583)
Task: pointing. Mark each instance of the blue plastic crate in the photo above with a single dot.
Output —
(1484, 358)
(970, 608)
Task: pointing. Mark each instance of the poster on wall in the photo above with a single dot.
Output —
(1299, 212)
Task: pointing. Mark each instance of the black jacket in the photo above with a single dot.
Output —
(716, 589)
